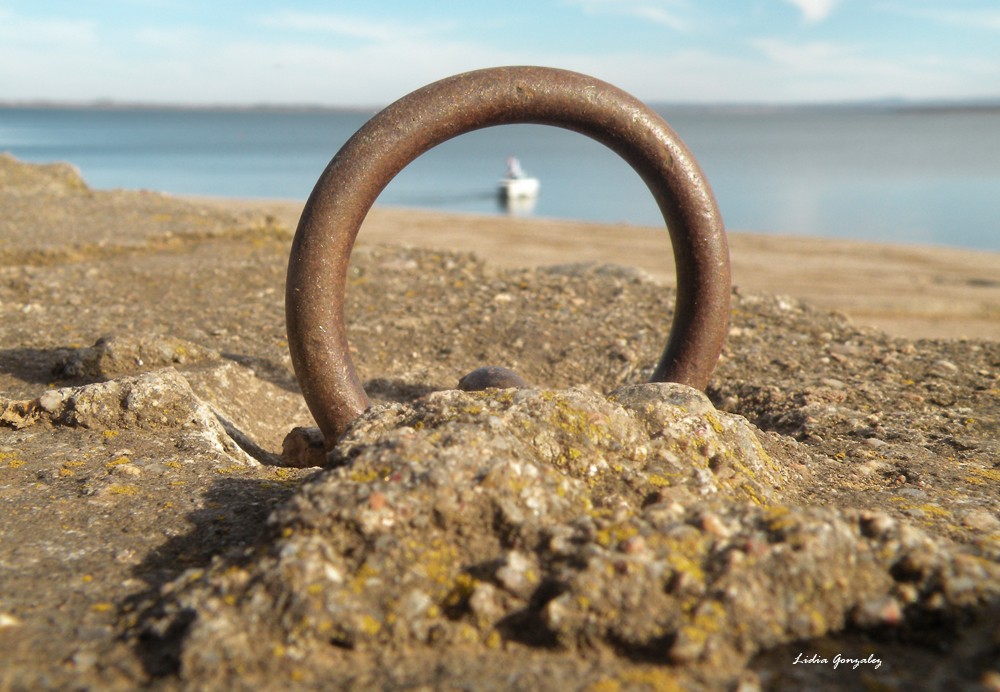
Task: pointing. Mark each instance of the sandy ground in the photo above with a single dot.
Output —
(907, 290)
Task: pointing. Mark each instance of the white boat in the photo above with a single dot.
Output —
(518, 188)
(517, 185)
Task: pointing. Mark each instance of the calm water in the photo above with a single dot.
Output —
(925, 176)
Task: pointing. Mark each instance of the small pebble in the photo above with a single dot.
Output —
(908, 594)
(517, 575)
(714, 526)
(84, 660)
(303, 448)
(749, 682)
(943, 368)
(878, 612)
(981, 520)
(991, 681)
(492, 377)
(51, 400)
(685, 648)
(129, 470)
(876, 524)
(485, 602)
(633, 545)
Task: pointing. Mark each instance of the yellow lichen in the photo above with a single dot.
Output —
(604, 685)
(613, 535)
(577, 423)
(462, 587)
(369, 625)
(655, 679)
(984, 475)
(778, 518)
(817, 623)
(286, 476)
(467, 633)
(364, 475)
(709, 619)
(437, 562)
(658, 480)
(684, 554)
(715, 423)
(361, 577)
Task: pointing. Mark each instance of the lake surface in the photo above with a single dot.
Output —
(901, 175)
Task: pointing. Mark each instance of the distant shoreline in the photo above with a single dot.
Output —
(889, 105)
(910, 290)
(168, 107)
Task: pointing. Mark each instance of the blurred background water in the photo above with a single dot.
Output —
(892, 174)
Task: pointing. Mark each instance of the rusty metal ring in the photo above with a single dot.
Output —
(332, 217)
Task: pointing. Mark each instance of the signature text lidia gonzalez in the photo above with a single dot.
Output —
(839, 660)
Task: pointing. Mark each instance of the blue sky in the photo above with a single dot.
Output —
(370, 52)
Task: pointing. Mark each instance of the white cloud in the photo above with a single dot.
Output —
(661, 12)
(961, 17)
(808, 56)
(330, 59)
(351, 27)
(814, 11)
(76, 61)
(660, 16)
(51, 58)
(291, 71)
(169, 39)
(827, 72)
(22, 30)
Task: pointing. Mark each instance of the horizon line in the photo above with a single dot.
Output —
(967, 103)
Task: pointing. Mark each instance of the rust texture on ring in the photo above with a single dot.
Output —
(368, 161)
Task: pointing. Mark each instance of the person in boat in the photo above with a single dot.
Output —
(514, 170)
